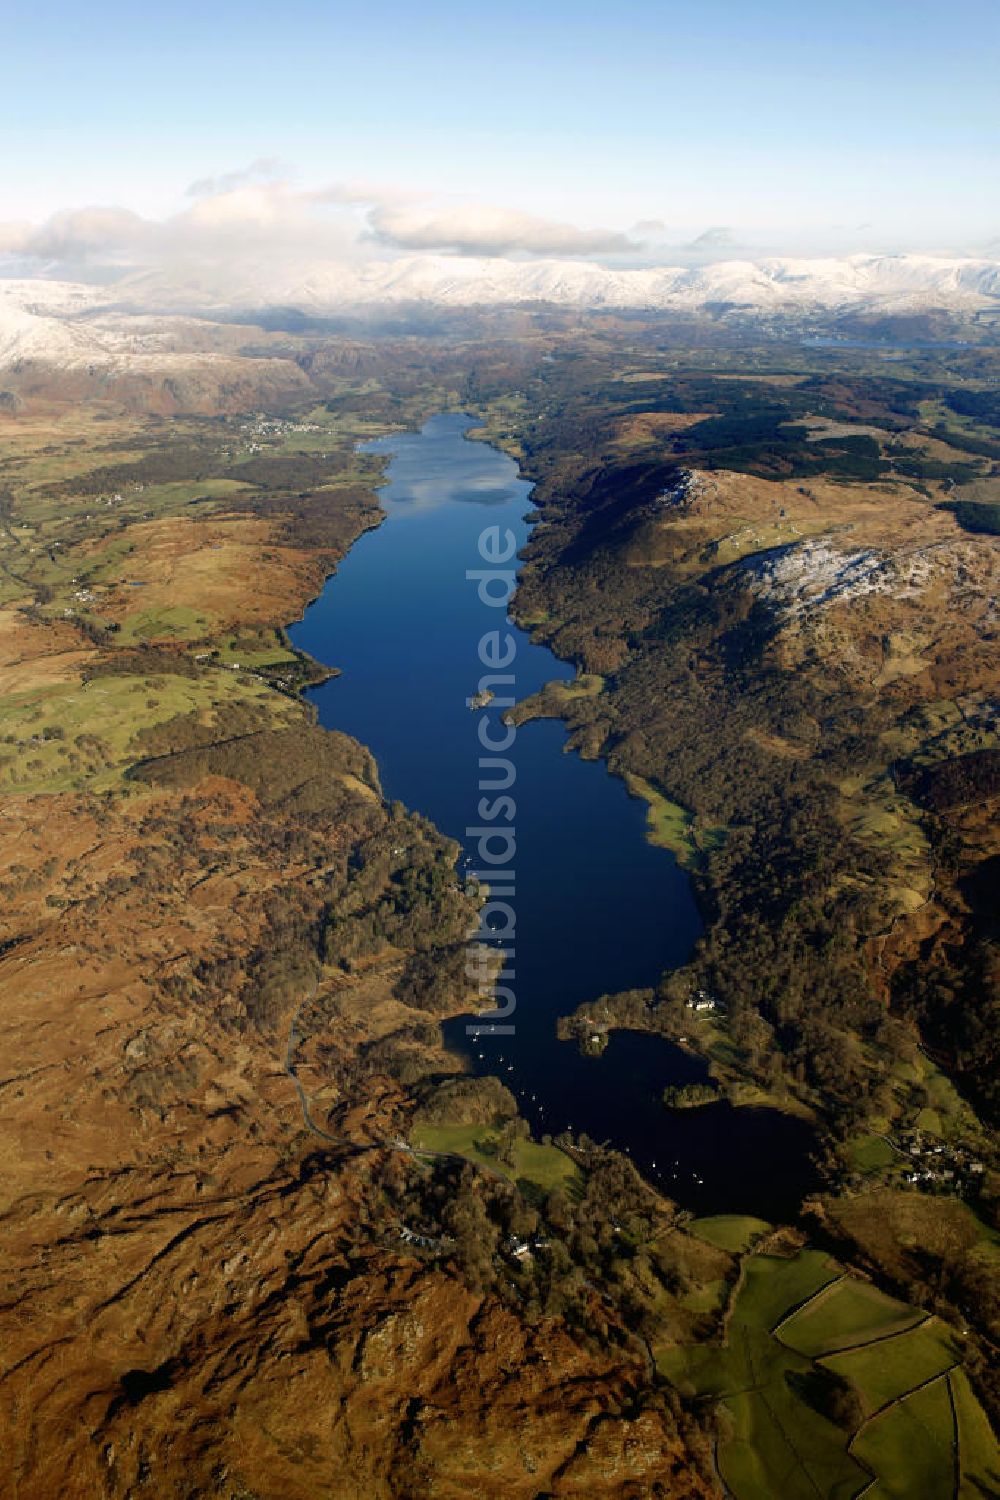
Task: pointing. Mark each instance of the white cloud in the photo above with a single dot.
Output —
(264, 169)
(239, 221)
(366, 193)
(257, 220)
(253, 212)
(482, 229)
(80, 234)
(262, 208)
(14, 236)
(719, 237)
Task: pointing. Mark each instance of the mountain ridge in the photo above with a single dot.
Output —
(68, 324)
(448, 280)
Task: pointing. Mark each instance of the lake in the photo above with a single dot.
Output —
(598, 908)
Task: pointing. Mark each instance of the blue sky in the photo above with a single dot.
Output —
(797, 127)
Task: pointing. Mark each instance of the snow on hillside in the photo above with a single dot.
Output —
(887, 282)
(28, 330)
(69, 325)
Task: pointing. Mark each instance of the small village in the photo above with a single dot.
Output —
(935, 1166)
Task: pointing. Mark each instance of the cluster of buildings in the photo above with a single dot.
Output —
(702, 1001)
(274, 427)
(933, 1163)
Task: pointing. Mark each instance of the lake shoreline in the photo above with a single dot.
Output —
(400, 620)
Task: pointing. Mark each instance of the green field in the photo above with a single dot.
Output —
(849, 1313)
(774, 1284)
(780, 1444)
(82, 735)
(584, 685)
(780, 1440)
(185, 492)
(699, 1369)
(885, 1369)
(668, 825)
(707, 1296)
(781, 1447)
(178, 622)
(910, 1447)
(274, 656)
(545, 1166)
(870, 1153)
(978, 1450)
(732, 1232)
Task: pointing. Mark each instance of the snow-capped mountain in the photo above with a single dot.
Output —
(143, 320)
(887, 282)
(60, 339)
(39, 322)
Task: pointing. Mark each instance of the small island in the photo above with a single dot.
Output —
(480, 700)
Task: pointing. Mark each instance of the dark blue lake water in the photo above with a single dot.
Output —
(598, 908)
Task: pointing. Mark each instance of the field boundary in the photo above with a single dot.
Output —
(883, 1410)
(956, 1437)
(796, 1308)
(819, 1295)
(880, 1338)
